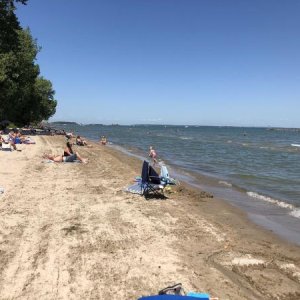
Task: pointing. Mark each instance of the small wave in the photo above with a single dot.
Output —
(185, 138)
(271, 200)
(295, 213)
(225, 183)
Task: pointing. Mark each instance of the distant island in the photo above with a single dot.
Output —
(283, 129)
(64, 122)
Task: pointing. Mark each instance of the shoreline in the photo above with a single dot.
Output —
(71, 229)
(266, 212)
(219, 178)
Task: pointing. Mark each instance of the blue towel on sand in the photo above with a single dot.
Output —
(167, 297)
(189, 296)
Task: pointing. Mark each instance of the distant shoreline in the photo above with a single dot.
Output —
(276, 128)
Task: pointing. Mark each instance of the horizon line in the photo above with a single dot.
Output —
(189, 125)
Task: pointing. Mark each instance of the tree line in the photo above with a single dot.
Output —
(26, 97)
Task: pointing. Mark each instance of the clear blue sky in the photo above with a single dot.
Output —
(202, 62)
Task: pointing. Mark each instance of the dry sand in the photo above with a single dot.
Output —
(69, 231)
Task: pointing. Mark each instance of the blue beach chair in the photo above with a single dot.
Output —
(176, 292)
(150, 181)
(148, 184)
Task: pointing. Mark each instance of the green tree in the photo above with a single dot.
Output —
(25, 96)
(9, 25)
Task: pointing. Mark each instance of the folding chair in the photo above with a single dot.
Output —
(150, 182)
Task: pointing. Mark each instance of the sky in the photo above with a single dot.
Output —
(193, 62)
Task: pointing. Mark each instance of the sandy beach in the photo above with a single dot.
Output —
(69, 231)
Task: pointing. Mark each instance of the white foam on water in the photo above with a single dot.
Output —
(225, 183)
(271, 200)
(295, 213)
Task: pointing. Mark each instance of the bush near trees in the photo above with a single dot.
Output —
(25, 96)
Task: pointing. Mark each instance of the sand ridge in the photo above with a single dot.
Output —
(69, 231)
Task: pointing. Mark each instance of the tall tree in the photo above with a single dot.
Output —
(24, 95)
(9, 25)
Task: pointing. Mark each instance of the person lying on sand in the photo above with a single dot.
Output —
(61, 158)
(68, 156)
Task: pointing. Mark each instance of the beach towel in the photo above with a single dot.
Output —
(45, 161)
(165, 177)
(29, 141)
(134, 189)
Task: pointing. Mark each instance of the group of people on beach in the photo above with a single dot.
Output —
(69, 155)
(13, 138)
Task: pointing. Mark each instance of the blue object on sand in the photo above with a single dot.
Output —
(202, 296)
(169, 297)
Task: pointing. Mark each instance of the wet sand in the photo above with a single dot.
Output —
(69, 231)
